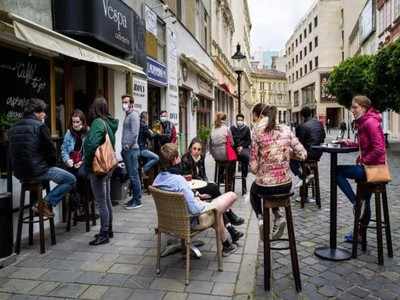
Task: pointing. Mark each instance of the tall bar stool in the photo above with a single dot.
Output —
(87, 201)
(240, 177)
(229, 182)
(379, 190)
(277, 201)
(35, 189)
(310, 167)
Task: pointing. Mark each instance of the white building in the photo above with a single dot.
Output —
(314, 48)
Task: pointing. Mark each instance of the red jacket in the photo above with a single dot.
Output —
(371, 139)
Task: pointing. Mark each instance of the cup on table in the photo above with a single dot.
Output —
(188, 177)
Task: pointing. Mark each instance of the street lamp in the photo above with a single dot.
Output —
(238, 58)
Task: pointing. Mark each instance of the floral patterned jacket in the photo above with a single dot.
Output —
(271, 153)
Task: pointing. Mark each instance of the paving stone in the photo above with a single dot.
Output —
(4, 296)
(96, 266)
(28, 273)
(69, 290)
(44, 288)
(226, 277)
(125, 269)
(138, 282)
(5, 272)
(223, 289)
(201, 287)
(90, 277)
(206, 297)
(114, 279)
(94, 292)
(167, 285)
(359, 292)
(23, 297)
(147, 295)
(117, 293)
(19, 286)
(175, 296)
(60, 276)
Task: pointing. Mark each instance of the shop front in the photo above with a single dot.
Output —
(157, 80)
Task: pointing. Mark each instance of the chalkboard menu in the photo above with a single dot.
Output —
(22, 77)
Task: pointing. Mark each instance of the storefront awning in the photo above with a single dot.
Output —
(198, 67)
(46, 39)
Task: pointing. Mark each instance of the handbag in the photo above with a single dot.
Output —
(230, 152)
(105, 159)
(377, 173)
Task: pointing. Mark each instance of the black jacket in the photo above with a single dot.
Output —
(144, 136)
(196, 169)
(31, 148)
(311, 133)
(241, 136)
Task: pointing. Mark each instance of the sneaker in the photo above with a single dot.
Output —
(127, 203)
(261, 229)
(309, 178)
(43, 209)
(228, 248)
(234, 219)
(133, 206)
(299, 184)
(278, 228)
(99, 240)
(235, 234)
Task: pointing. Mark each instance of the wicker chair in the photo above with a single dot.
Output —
(174, 219)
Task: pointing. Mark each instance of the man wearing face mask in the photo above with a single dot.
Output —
(33, 156)
(242, 142)
(130, 150)
(168, 134)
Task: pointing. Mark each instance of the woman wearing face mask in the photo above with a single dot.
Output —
(372, 152)
(271, 150)
(193, 163)
(71, 149)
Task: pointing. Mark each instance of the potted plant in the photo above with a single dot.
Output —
(5, 123)
(203, 134)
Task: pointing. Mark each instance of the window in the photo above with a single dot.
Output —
(309, 28)
(289, 64)
(305, 33)
(179, 9)
(296, 42)
(301, 72)
(310, 65)
(297, 58)
(310, 46)
(292, 47)
(342, 56)
(261, 85)
(305, 69)
(205, 37)
(297, 75)
(316, 62)
(396, 9)
(161, 44)
(301, 55)
(316, 42)
(305, 51)
(316, 21)
(301, 38)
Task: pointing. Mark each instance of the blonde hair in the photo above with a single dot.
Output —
(363, 101)
(219, 117)
(168, 153)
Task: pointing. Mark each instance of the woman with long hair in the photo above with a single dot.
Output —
(102, 123)
(272, 147)
(371, 142)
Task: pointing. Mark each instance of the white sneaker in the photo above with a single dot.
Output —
(309, 177)
(261, 229)
(133, 206)
(279, 228)
(299, 184)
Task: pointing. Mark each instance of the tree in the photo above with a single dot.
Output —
(386, 69)
(352, 77)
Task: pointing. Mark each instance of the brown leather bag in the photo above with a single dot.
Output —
(377, 173)
(105, 159)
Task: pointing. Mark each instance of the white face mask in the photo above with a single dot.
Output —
(125, 106)
(240, 123)
(163, 119)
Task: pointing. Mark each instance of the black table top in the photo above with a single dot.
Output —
(340, 149)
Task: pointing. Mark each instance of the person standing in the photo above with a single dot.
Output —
(102, 124)
(242, 143)
(343, 128)
(33, 156)
(145, 134)
(130, 150)
(168, 134)
(328, 126)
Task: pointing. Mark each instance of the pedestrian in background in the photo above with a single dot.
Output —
(168, 130)
(102, 124)
(145, 134)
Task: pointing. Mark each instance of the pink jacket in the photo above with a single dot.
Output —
(371, 139)
(270, 155)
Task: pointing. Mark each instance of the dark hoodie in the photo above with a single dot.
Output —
(96, 136)
(371, 139)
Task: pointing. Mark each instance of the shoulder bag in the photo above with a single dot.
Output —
(104, 159)
(377, 173)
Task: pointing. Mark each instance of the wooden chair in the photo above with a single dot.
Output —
(174, 219)
(310, 167)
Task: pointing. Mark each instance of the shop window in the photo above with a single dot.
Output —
(161, 42)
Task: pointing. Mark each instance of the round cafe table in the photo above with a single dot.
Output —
(174, 246)
(332, 252)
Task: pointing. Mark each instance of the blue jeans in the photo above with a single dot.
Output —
(131, 160)
(65, 183)
(355, 172)
(151, 159)
(102, 194)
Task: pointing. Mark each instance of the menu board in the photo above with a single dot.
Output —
(22, 78)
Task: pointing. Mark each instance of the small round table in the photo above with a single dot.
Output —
(332, 252)
(196, 184)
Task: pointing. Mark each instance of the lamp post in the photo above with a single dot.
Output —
(238, 57)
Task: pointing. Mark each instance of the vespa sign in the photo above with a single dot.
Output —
(107, 21)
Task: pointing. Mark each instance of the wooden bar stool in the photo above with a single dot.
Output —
(229, 182)
(87, 201)
(379, 190)
(241, 177)
(310, 167)
(35, 189)
(277, 201)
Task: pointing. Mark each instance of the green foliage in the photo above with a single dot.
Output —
(387, 76)
(203, 133)
(6, 122)
(352, 77)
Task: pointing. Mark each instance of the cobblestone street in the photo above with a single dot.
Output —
(125, 268)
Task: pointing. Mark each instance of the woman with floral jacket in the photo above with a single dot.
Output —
(272, 148)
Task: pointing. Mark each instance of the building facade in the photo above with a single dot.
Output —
(270, 87)
(312, 51)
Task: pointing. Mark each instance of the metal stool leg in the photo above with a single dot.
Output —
(379, 228)
(357, 214)
(317, 190)
(52, 231)
(267, 249)
(17, 248)
(387, 223)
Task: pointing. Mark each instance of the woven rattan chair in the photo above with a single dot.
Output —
(174, 219)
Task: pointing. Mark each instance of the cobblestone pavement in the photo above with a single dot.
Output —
(125, 268)
(360, 278)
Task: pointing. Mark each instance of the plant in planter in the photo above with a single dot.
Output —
(195, 103)
(5, 123)
(203, 134)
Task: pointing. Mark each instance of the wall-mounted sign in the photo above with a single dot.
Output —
(140, 94)
(108, 21)
(173, 98)
(151, 20)
(156, 72)
(205, 87)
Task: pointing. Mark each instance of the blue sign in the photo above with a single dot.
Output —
(157, 72)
